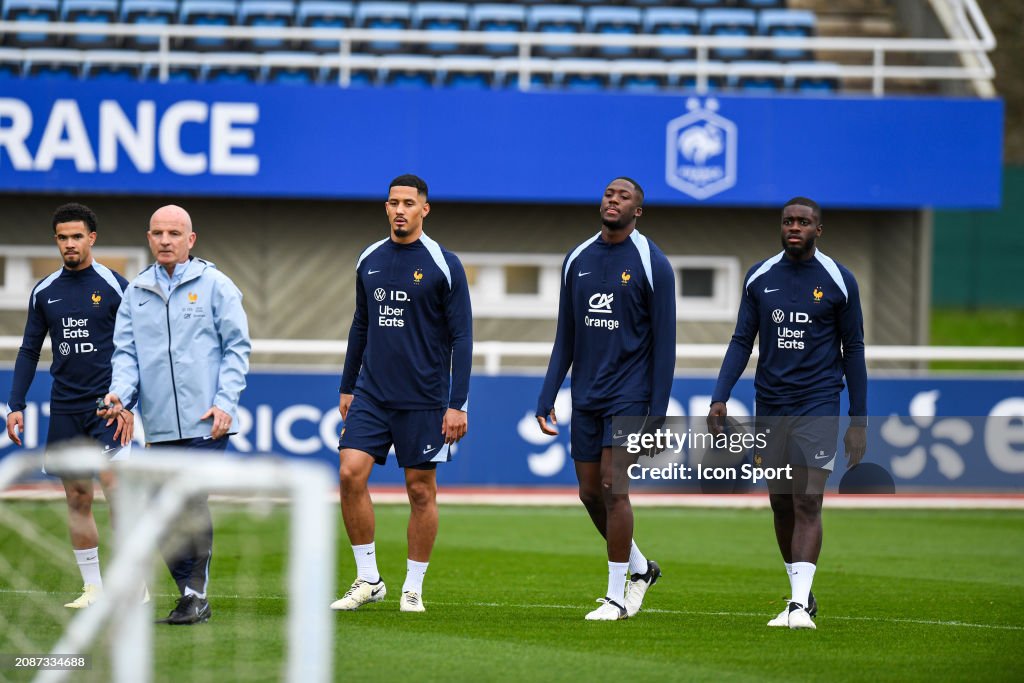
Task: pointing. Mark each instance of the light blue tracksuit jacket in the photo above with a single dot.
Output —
(182, 354)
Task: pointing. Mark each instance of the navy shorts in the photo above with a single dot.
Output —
(803, 435)
(86, 425)
(591, 430)
(415, 434)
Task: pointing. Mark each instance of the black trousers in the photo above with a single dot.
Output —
(188, 548)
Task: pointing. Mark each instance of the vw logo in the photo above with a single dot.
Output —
(64, 348)
(379, 294)
(778, 316)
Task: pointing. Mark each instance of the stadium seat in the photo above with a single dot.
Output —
(556, 19)
(671, 21)
(362, 75)
(149, 13)
(614, 21)
(728, 22)
(762, 4)
(29, 13)
(440, 16)
(814, 78)
(498, 19)
(683, 76)
(383, 16)
(415, 72)
(211, 13)
(750, 76)
(641, 75)
(787, 23)
(291, 68)
(229, 75)
(268, 13)
(56, 65)
(104, 65)
(508, 74)
(324, 14)
(467, 73)
(90, 12)
(575, 74)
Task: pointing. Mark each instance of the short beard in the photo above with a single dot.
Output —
(798, 252)
(72, 261)
(401, 232)
(615, 225)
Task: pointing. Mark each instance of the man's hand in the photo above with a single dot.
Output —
(115, 407)
(454, 425)
(15, 425)
(344, 403)
(125, 427)
(856, 442)
(549, 429)
(221, 422)
(716, 418)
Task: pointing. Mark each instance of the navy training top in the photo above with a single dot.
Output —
(808, 317)
(410, 346)
(616, 327)
(77, 308)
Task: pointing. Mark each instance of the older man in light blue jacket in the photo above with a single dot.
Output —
(182, 347)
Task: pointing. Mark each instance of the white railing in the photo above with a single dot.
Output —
(494, 353)
(971, 46)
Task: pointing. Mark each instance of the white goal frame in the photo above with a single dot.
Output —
(152, 490)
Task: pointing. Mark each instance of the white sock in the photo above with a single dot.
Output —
(415, 571)
(802, 578)
(89, 566)
(637, 561)
(366, 562)
(617, 581)
(190, 591)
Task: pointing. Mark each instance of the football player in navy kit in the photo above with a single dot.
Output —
(76, 305)
(405, 383)
(617, 329)
(805, 309)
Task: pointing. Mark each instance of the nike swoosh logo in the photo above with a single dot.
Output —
(376, 590)
(372, 272)
(822, 457)
(427, 450)
(769, 291)
(144, 302)
(586, 273)
(53, 301)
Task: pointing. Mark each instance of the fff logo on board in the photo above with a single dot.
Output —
(700, 150)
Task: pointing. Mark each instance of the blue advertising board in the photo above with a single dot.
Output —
(930, 433)
(325, 142)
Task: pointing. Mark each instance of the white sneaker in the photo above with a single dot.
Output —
(90, 594)
(781, 620)
(411, 602)
(608, 611)
(638, 586)
(359, 594)
(800, 618)
(145, 594)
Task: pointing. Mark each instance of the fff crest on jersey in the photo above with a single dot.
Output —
(96, 298)
(626, 277)
(818, 294)
(192, 297)
(700, 150)
(417, 275)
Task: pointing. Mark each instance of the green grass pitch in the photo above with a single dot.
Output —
(904, 595)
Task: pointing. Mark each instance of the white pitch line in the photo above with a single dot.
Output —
(581, 608)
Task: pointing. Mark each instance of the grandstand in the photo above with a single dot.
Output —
(754, 46)
(278, 124)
